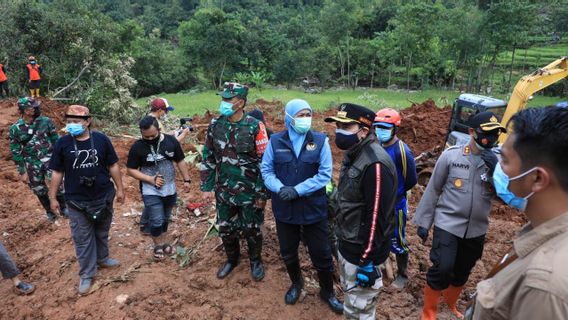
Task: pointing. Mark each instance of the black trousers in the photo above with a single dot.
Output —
(4, 91)
(315, 237)
(452, 259)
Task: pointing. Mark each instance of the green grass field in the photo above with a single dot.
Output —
(198, 103)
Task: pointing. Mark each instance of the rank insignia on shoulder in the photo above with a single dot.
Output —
(311, 146)
(466, 150)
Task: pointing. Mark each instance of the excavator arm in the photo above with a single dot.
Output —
(532, 83)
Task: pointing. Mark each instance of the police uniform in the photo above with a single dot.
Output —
(533, 285)
(457, 201)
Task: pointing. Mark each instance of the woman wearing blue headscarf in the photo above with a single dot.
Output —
(296, 167)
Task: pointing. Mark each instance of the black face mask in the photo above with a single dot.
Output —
(154, 141)
(345, 139)
(486, 140)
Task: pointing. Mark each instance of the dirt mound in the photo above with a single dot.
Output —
(424, 126)
(45, 251)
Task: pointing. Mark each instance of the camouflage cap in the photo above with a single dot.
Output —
(233, 89)
(27, 102)
(77, 111)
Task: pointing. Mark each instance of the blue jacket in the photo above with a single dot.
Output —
(308, 174)
(405, 168)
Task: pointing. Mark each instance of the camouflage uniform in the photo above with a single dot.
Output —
(31, 146)
(231, 167)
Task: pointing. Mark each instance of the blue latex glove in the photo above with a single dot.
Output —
(367, 275)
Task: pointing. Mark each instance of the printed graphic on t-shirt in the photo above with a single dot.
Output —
(85, 159)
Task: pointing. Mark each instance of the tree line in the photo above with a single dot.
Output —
(112, 51)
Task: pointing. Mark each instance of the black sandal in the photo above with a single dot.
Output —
(159, 253)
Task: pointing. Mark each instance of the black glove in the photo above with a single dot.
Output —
(422, 233)
(367, 275)
(288, 193)
(490, 159)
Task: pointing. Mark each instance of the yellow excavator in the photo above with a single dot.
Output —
(467, 105)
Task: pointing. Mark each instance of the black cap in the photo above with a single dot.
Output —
(349, 112)
(257, 114)
(486, 121)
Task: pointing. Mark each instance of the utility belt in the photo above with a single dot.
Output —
(94, 210)
(505, 261)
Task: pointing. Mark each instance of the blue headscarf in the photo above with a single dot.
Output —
(292, 108)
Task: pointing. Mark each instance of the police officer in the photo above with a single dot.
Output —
(386, 126)
(296, 167)
(230, 173)
(31, 142)
(457, 201)
(365, 200)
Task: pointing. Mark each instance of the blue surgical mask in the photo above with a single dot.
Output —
(384, 135)
(302, 125)
(345, 139)
(226, 109)
(501, 182)
(75, 129)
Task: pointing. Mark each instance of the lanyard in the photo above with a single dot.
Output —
(91, 152)
(156, 152)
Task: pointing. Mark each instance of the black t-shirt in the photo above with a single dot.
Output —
(88, 163)
(153, 159)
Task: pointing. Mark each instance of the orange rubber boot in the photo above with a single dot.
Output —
(451, 295)
(431, 298)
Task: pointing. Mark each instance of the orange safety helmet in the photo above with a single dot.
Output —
(388, 115)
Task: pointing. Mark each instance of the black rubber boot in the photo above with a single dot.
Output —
(326, 291)
(232, 249)
(254, 243)
(295, 273)
(401, 275)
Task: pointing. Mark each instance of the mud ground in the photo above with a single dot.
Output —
(44, 251)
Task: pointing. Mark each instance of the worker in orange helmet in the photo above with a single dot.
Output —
(387, 123)
(33, 75)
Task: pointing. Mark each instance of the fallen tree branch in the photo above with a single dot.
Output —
(72, 82)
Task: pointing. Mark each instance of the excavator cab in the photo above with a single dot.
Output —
(466, 106)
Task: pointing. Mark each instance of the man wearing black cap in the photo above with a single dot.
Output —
(365, 200)
(457, 201)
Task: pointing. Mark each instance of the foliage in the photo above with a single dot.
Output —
(189, 45)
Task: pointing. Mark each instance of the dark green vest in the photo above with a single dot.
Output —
(350, 198)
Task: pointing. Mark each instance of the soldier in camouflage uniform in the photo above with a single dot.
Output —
(232, 154)
(31, 142)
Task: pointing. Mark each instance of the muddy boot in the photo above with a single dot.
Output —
(401, 276)
(232, 249)
(451, 295)
(431, 298)
(326, 291)
(295, 273)
(254, 243)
